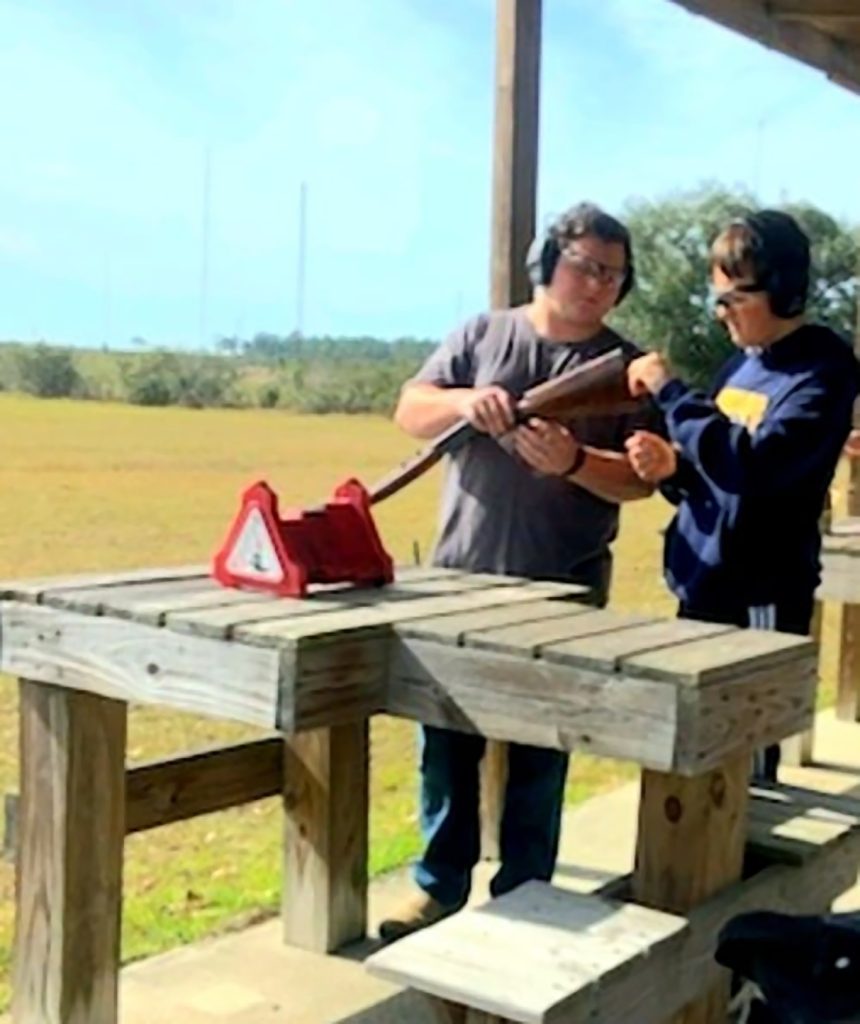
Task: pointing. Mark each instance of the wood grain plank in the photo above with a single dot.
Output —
(151, 602)
(69, 871)
(607, 650)
(529, 639)
(384, 614)
(325, 837)
(534, 701)
(690, 846)
(221, 623)
(143, 602)
(702, 662)
(537, 954)
(178, 788)
(33, 589)
(452, 627)
(848, 663)
(764, 706)
(132, 662)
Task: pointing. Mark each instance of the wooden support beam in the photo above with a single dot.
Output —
(797, 749)
(515, 149)
(178, 788)
(325, 837)
(69, 877)
(819, 10)
(515, 168)
(848, 668)
(184, 787)
(839, 60)
(690, 846)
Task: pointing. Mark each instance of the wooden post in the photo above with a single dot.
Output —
(797, 750)
(853, 495)
(690, 845)
(848, 668)
(494, 779)
(69, 873)
(325, 836)
(515, 148)
(515, 160)
(848, 634)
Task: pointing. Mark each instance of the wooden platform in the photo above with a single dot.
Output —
(507, 658)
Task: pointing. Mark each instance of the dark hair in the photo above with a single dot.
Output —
(587, 219)
(580, 221)
(770, 247)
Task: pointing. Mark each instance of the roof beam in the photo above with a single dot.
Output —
(755, 19)
(814, 10)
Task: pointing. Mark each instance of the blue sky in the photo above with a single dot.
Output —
(384, 108)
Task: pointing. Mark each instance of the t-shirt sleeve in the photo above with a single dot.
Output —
(452, 365)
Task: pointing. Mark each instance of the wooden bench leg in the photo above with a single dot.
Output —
(69, 871)
(494, 780)
(690, 845)
(797, 750)
(325, 837)
(848, 670)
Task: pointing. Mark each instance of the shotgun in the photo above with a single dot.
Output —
(597, 388)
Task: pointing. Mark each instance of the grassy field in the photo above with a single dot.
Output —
(90, 486)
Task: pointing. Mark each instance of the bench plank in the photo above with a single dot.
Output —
(129, 661)
(702, 662)
(389, 613)
(528, 639)
(535, 955)
(32, 590)
(548, 705)
(453, 627)
(606, 650)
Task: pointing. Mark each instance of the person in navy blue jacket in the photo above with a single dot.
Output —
(750, 463)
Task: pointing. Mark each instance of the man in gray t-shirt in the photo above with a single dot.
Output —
(539, 501)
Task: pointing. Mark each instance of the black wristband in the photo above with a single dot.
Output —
(578, 462)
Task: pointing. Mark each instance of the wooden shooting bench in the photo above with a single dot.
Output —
(514, 660)
(840, 583)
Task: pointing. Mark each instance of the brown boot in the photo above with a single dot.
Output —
(413, 914)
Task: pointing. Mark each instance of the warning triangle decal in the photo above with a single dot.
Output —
(253, 553)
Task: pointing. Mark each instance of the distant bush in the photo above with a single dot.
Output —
(49, 372)
(317, 376)
(167, 378)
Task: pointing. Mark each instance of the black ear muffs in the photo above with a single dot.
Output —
(781, 260)
(544, 254)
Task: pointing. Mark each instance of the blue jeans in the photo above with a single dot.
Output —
(531, 819)
(534, 796)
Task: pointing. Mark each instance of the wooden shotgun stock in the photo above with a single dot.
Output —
(597, 388)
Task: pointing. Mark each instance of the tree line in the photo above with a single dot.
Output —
(668, 310)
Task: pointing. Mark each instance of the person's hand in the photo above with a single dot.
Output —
(647, 374)
(490, 410)
(546, 446)
(653, 459)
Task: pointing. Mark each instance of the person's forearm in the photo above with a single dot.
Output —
(610, 476)
(425, 410)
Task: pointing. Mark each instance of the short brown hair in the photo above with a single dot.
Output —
(770, 247)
